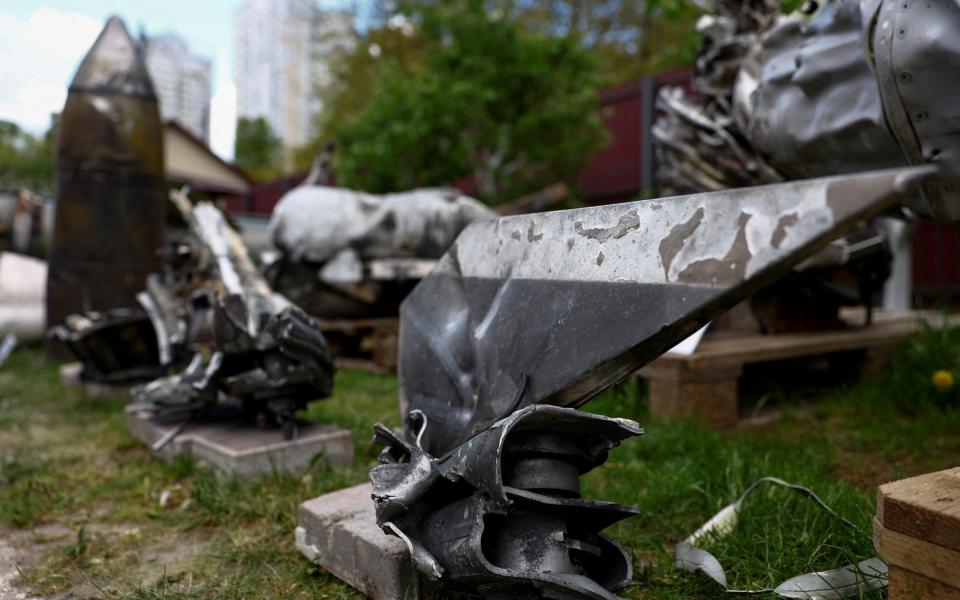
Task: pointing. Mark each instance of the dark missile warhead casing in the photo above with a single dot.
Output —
(109, 180)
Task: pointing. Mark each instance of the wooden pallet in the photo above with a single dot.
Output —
(917, 532)
(704, 385)
(365, 344)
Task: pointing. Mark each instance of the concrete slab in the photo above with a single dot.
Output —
(70, 378)
(338, 531)
(243, 450)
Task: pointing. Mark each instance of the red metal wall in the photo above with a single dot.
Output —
(936, 265)
(616, 173)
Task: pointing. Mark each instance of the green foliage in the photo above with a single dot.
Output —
(513, 108)
(355, 68)
(26, 160)
(631, 39)
(930, 350)
(257, 150)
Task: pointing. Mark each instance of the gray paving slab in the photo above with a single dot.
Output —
(338, 531)
(244, 450)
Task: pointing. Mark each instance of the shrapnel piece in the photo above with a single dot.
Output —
(349, 254)
(571, 302)
(530, 311)
(110, 212)
(244, 340)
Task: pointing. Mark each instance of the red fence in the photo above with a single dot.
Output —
(936, 265)
(623, 170)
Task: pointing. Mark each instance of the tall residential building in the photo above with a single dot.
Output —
(182, 82)
(280, 47)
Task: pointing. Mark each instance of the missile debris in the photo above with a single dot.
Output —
(551, 309)
(110, 182)
(210, 328)
(348, 254)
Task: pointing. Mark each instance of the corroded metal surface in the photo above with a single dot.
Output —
(562, 305)
(110, 182)
(550, 309)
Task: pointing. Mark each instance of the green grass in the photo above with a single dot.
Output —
(83, 499)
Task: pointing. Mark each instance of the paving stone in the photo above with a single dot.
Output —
(244, 450)
(338, 531)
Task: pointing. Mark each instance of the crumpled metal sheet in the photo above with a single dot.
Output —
(554, 308)
(840, 86)
(835, 584)
(808, 100)
(117, 347)
(335, 243)
(502, 513)
(242, 339)
(314, 223)
(699, 145)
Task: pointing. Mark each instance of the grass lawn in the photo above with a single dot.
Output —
(93, 515)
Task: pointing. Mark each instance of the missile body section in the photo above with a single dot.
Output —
(110, 182)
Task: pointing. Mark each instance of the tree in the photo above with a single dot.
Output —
(630, 38)
(391, 42)
(489, 98)
(26, 160)
(257, 150)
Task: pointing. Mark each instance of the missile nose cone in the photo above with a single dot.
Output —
(114, 65)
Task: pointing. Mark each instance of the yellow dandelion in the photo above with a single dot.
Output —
(943, 379)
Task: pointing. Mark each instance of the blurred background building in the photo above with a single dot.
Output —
(279, 47)
(182, 82)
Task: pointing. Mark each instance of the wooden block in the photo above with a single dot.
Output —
(917, 531)
(926, 507)
(907, 585)
(710, 398)
(921, 557)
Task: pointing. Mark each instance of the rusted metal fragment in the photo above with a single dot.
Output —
(499, 315)
(109, 220)
(210, 329)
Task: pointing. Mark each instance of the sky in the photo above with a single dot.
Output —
(42, 43)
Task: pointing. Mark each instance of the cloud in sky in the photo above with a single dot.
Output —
(38, 58)
(39, 55)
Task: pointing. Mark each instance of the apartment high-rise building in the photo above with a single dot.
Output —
(182, 82)
(280, 47)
